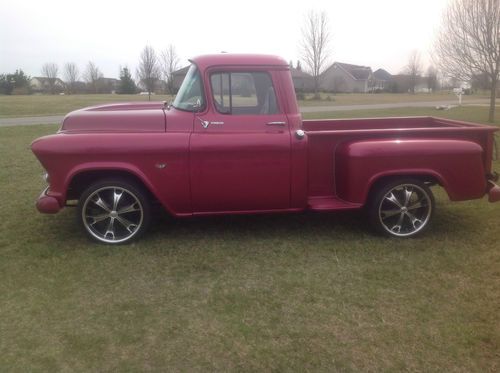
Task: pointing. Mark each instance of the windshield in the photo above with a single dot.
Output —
(190, 93)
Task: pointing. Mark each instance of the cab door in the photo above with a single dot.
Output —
(240, 146)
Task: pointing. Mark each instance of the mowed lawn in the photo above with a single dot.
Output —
(40, 105)
(252, 293)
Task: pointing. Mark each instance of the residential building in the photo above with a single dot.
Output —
(347, 78)
(41, 84)
(382, 81)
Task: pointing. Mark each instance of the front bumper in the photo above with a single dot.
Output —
(493, 192)
(47, 204)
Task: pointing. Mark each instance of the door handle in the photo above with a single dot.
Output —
(276, 123)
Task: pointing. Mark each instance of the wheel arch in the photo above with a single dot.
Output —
(425, 176)
(83, 176)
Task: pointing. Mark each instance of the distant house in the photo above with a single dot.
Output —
(382, 80)
(347, 78)
(302, 81)
(41, 84)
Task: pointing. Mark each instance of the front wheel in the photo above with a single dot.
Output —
(402, 208)
(114, 211)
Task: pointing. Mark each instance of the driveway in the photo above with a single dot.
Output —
(29, 121)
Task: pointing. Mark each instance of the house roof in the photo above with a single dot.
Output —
(358, 72)
(382, 74)
(45, 80)
(111, 80)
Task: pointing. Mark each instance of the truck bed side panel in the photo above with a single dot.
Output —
(456, 164)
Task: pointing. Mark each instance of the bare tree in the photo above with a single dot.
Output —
(169, 63)
(414, 70)
(148, 71)
(432, 78)
(71, 74)
(50, 71)
(91, 75)
(315, 45)
(469, 42)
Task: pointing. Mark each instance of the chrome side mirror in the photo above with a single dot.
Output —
(300, 134)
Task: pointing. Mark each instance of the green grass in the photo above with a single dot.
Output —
(477, 114)
(384, 98)
(40, 105)
(253, 293)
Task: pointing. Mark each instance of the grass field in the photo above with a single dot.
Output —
(252, 293)
(39, 105)
(385, 98)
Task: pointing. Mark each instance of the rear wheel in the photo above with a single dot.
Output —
(114, 211)
(402, 208)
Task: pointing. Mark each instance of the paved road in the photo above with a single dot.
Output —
(29, 121)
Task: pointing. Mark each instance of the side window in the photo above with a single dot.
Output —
(241, 93)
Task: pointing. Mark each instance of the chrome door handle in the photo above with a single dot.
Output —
(276, 123)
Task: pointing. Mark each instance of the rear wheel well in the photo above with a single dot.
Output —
(428, 180)
(81, 181)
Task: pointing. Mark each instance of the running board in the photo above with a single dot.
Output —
(330, 203)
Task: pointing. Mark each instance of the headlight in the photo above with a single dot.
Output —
(46, 177)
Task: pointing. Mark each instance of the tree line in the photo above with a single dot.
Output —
(467, 48)
(154, 73)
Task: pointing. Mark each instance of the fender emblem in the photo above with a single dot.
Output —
(161, 165)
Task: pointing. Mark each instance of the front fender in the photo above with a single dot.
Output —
(456, 164)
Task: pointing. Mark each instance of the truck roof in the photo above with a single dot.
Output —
(209, 60)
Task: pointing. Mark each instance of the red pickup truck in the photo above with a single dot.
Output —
(233, 141)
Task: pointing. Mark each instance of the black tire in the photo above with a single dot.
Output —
(401, 208)
(114, 201)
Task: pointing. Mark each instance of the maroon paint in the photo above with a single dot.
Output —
(247, 166)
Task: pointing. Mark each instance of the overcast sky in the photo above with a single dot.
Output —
(378, 33)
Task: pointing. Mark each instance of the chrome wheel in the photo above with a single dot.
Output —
(401, 207)
(405, 209)
(112, 214)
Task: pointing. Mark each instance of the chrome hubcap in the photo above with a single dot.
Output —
(405, 210)
(112, 214)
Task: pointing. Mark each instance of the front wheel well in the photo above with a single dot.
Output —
(81, 181)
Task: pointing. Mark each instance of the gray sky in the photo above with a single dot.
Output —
(378, 33)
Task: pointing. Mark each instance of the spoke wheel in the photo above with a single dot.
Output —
(114, 212)
(403, 208)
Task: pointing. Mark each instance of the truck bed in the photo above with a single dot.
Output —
(326, 137)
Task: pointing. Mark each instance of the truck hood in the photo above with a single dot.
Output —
(120, 117)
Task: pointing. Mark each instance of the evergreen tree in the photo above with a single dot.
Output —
(127, 84)
(17, 83)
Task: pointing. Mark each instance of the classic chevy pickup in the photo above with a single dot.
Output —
(233, 141)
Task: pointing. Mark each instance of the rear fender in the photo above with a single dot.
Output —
(457, 165)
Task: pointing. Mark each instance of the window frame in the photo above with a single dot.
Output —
(231, 71)
(202, 92)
